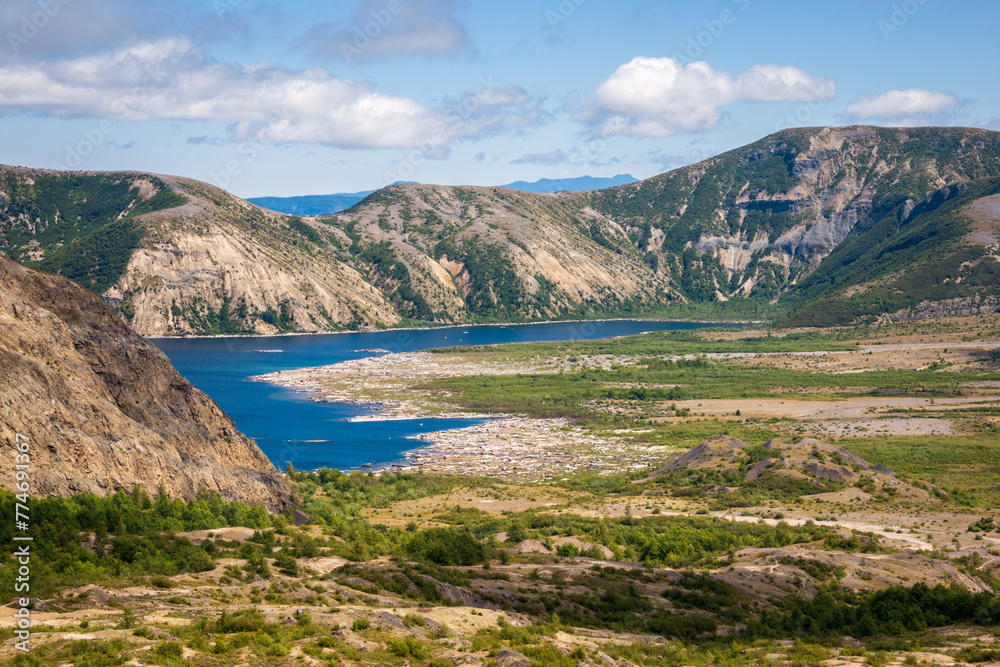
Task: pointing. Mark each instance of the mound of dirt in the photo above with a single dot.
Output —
(531, 546)
(797, 569)
(805, 458)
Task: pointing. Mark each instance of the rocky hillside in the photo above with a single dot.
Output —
(450, 253)
(174, 255)
(805, 465)
(832, 224)
(104, 410)
(761, 221)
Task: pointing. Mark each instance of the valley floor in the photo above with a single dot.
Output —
(558, 534)
(523, 447)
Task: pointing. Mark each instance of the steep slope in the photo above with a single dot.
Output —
(757, 220)
(82, 225)
(451, 253)
(220, 265)
(940, 258)
(104, 409)
(174, 255)
(834, 224)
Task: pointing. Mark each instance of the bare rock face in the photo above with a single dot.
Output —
(948, 308)
(508, 657)
(721, 447)
(803, 458)
(104, 409)
(774, 573)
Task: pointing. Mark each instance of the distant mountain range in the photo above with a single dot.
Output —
(315, 205)
(824, 225)
(577, 184)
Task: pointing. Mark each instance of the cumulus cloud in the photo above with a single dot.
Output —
(171, 79)
(902, 104)
(657, 97)
(379, 29)
(783, 83)
(549, 159)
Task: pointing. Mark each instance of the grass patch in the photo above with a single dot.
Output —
(970, 464)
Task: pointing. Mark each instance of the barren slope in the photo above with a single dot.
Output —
(104, 410)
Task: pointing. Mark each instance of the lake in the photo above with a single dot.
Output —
(290, 428)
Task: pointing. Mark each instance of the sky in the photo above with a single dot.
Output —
(317, 97)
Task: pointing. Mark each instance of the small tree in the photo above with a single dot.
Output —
(128, 619)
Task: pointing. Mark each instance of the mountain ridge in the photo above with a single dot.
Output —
(320, 205)
(771, 223)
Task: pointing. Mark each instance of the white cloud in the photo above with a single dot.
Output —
(171, 79)
(656, 97)
(782, 83)
(380, 29)
(902, 104)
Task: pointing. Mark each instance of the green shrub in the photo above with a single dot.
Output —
(443, 546)
(245, 620)
(407, 648)
(286, 564)
(414, 619)
(168, 652)
(567, 550)
(976, 654)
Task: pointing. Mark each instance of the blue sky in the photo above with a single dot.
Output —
(269, 98)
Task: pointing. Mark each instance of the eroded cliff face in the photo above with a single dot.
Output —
(763, 217)
(220, 265)
(496, 252)
(104, 409)
(837, 178)
(177, 256)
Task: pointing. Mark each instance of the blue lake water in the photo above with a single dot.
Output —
(290, 428)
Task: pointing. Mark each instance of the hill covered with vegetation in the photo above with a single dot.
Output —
(819, 226)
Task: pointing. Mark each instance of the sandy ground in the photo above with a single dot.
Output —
(231, 533)
(855, 417)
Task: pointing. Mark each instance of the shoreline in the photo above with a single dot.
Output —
(506, 446)
(314, 382)
(451, 326)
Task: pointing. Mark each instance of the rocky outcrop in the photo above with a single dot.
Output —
(103, 409)
(721, 448)
(802, 458)
(497, 252)
(219, 260)
(764, 217)
(947, 308)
